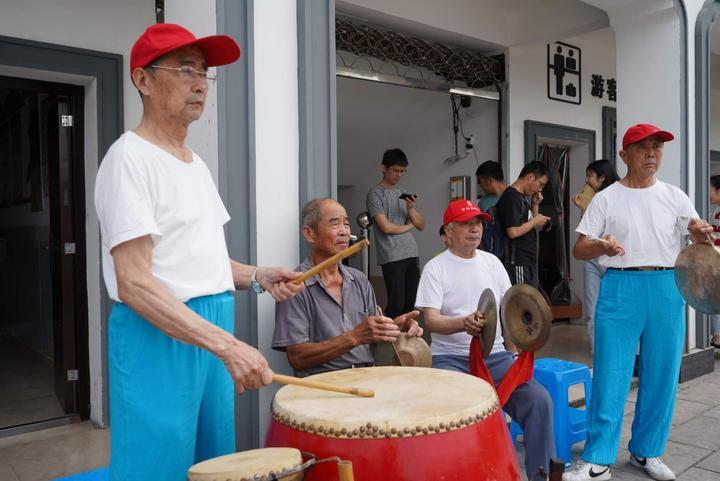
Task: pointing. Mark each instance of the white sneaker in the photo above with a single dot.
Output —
(654, 467)
(584, 471)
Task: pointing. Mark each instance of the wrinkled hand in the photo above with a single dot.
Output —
(375, 329)
(408, 323)
(247, 367)
(474, 323)
(700, 231)
(612, 246)
(275, 280)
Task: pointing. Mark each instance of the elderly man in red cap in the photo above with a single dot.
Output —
(171, 352)
(636, 228)
(449, 290)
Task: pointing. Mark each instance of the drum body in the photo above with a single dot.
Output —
(422, 424)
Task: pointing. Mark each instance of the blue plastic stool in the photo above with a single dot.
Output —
(569, 424)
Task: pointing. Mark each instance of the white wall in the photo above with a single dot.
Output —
(373, 117)
(651, 52)
(103, 25)
(527, 91)
(200, 18)
(277, 167)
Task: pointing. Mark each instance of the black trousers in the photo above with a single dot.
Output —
(523, 274)
(401, 282)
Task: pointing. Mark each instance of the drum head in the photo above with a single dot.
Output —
(526, 317)
(697, 275)
(488, 307)
(256, 464)
(409, 401)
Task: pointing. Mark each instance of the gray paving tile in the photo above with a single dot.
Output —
(711, 463)
(702, 392)
(700, 431)
(686, 410)
(678, 457)
(697, 474)
(7, 473)
(713, 413)
(51, 458)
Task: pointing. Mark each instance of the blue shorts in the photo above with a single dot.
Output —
(171, 404)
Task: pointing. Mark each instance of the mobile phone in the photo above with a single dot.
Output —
(405, 195)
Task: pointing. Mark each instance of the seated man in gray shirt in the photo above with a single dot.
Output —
(332, 324)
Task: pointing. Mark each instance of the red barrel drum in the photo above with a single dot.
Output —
(422, 424)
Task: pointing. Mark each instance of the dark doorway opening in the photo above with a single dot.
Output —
(43, 294)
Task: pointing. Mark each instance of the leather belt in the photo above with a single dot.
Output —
(642, 268)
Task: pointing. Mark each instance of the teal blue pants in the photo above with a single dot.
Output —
(634, 308)
(171, 404)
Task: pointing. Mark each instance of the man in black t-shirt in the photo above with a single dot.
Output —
(518, 215)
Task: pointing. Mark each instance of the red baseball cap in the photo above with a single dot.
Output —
(638, 132)
(463, 210)
(162, 38)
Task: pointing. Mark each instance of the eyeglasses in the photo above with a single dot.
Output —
(188, 74)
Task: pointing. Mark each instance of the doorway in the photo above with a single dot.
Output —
(43, 295)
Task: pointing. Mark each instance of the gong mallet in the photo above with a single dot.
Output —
(325, 386)
(353, 249)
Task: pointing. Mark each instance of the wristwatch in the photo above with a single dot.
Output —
(254, 284)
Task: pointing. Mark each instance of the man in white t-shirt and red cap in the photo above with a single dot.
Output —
(171, 353)
(449, 290)
(636, 227)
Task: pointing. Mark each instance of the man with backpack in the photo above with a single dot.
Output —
(490, 180)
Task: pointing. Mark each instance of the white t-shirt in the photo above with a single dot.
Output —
(141, 189)
(453, 285)
(649, 223)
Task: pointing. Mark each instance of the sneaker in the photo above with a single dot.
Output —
(584, 471)
(654, 467)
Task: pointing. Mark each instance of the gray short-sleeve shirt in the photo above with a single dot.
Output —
(391, 247)
(314, 316)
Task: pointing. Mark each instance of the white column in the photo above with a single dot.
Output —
(276, 162)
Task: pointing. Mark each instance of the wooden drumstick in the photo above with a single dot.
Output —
(325, 386)
(353, 249)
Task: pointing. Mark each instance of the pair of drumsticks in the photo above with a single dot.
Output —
(326, 386)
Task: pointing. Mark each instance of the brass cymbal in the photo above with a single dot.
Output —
(526, 317)
(697, 275)
(487, 306)
(411, 351)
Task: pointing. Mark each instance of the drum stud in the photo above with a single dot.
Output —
(362, 434)
(425, 430)
(363, 429)
(343, 431)
(321, 429)
(375, 429)
(331, 431)
(311, 428)
(442, 425)
(393, 430)
(369, 425)
(437, 429)
(302, 425)
(355, 432)
(452, 424)
(477, 417)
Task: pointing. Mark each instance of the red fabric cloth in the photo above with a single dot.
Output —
(520, 372)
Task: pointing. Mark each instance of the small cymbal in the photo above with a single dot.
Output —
(488, 307)
(411, 351)
(526, 317)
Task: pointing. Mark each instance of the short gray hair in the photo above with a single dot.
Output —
(311, 213)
